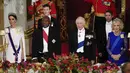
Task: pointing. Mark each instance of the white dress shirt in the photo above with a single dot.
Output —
(81, 37)
(49, 16)
(108, 28)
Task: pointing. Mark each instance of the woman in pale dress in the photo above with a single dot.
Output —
(15, 52)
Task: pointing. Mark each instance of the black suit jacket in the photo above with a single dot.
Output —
(37, 41)
(89, 44)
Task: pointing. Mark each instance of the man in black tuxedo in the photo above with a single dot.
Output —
(46, 12)
(46, 40)
(82, 41)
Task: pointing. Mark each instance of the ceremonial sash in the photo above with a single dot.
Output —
(115, 43)
(45, 36)
(81, 44)
(16, 52)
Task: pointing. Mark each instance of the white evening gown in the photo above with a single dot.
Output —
(17, 35)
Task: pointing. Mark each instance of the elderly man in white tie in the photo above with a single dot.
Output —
(82, 41)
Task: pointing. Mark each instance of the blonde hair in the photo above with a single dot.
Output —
(121, 23)
(80, 19)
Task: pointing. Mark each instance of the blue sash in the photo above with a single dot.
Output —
(80, 44)
(16, 52)
(115, 43)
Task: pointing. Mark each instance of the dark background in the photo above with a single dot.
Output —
(77, 8)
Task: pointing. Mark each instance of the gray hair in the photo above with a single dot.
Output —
(80, 18)
(121, 23)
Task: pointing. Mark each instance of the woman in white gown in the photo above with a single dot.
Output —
(15, 52)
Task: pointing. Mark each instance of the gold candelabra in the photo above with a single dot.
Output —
(4, 45)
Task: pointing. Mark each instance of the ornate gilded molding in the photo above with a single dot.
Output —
(3, 44)
(123, 8)
(1, 6)
(61, 4)
(28, 33)
(1, 14)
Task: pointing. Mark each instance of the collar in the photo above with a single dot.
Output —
(109, 22)
(46, 27)
(49, 16)
(82, 30)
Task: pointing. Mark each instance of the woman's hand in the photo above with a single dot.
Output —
(116, 57)
(113, 56)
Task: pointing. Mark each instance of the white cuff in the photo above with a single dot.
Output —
(80, 50)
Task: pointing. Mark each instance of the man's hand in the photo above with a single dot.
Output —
(100, 54)
(92, 61)
(129, 49)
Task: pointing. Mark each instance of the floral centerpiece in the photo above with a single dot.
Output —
(107, 67)
(60, 64)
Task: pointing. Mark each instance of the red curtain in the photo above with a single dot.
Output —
(77, 8)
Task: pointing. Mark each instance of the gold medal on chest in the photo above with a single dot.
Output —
(106, 3)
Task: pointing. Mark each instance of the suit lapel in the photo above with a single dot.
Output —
(52, 21)
(76, 39)
(49, 36)
(41, 39)
(85, 37)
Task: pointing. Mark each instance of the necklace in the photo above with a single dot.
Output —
(79, 34)
(117, 33)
